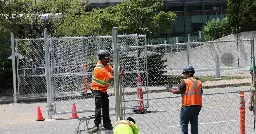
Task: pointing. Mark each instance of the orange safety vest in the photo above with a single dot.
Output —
(101, 75)
(193, 93)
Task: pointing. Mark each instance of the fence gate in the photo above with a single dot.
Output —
(73, 60)
(30, 59)
(133, 57)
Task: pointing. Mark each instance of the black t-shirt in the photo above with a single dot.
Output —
(182, 86)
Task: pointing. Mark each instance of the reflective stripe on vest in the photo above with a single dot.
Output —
(191, 90)
(99, 66)
(100, 82)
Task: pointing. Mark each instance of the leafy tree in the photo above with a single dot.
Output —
(22, 17)
(241, 15)
(164, 22)
(215, 29)
(13, 17)
(131, 16)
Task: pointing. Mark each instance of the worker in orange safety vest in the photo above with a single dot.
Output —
(191, 92)
(100, 81)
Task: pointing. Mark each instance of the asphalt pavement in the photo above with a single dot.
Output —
(220, 112)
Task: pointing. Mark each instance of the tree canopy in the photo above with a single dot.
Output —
(131, 16)
(241, 17)
(22, 17)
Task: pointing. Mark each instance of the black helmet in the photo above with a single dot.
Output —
(131, 119)
(189, 70)
(103, 54)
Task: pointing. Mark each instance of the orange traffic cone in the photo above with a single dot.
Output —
(140, 95)
(39, 115)
(74, 113)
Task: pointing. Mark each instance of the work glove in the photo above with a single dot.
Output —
(250, 107)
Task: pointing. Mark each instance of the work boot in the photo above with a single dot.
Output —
(95, 129)
(108, 126)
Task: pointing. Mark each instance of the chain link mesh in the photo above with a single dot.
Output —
(216, 63)
(133, 58)
(150, 68)
(30, 67)
(73, 60)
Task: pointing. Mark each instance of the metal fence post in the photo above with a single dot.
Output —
(47, 74)
(188, 47)
(253, 79)
(50, 77)
(13, 69)
(146, 68)
(217, 67)
(200, 35)
(116, 73)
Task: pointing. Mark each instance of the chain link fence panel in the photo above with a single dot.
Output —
(73, 60)
(149, 69)
(30, 67)
(222, 66)
(133, 59)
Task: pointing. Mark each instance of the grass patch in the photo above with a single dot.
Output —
(212, 78)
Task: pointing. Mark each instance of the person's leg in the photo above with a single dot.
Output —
(105, 110)
(184, 120)
(194, 119)
(98, 106)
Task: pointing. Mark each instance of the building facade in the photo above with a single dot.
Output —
(192, 15)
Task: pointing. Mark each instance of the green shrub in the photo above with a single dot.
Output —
(156, 69)
(174, 79)
(216, 28)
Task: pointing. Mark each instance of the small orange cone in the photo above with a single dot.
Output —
(39, 115)
(74, 113)
(140, 95)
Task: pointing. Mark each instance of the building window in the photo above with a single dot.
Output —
(193, 7)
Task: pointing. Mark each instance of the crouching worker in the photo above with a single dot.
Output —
(126, 127)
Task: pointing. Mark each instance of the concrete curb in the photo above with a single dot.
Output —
(44, 99)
